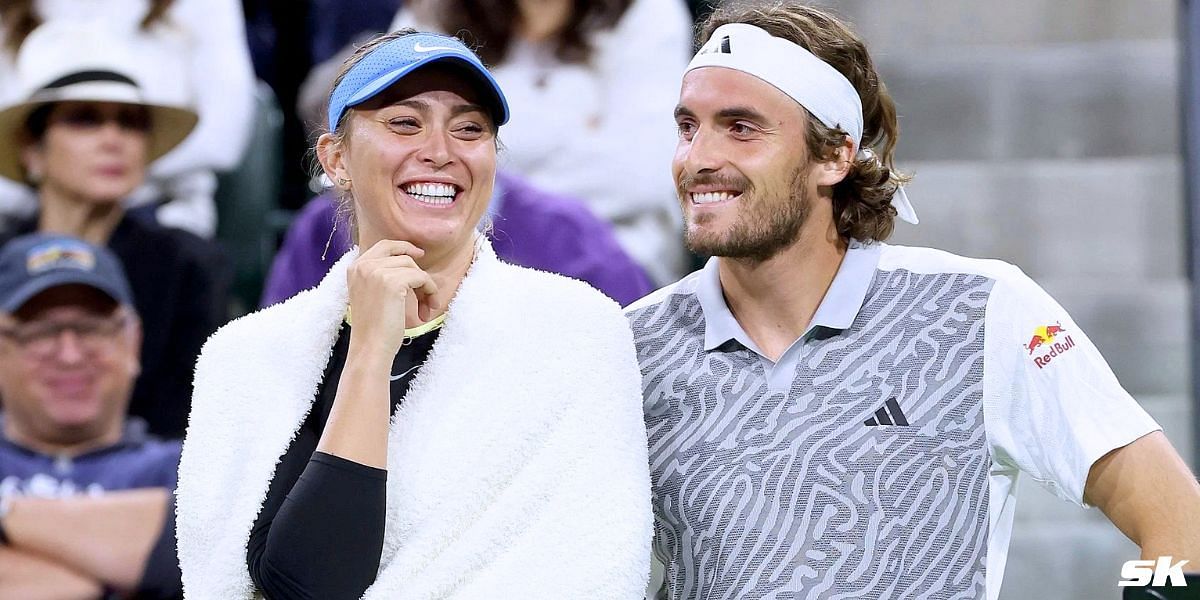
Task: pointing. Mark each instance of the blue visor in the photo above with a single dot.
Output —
(390, 62)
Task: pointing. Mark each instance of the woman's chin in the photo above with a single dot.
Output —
(435, 238)
(107, 198)
(109, 189)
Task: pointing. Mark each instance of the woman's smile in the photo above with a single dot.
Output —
(432, 194)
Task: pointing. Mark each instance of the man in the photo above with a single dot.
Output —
(85, 494)
(832, 417)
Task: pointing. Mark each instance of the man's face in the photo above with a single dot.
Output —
(741, 167)
(68, 360)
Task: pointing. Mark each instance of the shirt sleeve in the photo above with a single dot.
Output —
(1052, 406)
(336, 508)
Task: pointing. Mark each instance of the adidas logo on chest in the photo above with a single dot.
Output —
(888, 414)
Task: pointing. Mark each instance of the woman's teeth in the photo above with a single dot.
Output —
(710, 197)
(432, 193)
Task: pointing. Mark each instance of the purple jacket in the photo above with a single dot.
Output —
(531, 228)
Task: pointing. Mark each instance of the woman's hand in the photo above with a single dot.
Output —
(386, 285)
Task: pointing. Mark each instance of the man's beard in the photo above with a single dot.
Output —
(763, 227)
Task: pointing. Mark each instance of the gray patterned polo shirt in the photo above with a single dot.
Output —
(878, 458)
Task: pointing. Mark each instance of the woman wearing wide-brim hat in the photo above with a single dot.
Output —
(82, 136)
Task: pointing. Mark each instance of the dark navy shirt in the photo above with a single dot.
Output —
(138, 460)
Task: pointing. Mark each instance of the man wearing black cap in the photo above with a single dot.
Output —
(85, 494)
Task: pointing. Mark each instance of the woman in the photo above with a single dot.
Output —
(204, 45)
(82, 139)
(596, 80)
(445, 425)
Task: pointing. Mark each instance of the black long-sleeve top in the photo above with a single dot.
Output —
(320, 505)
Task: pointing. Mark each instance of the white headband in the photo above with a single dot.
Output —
(808, 80)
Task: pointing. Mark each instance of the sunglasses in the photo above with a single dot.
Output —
(129, 118)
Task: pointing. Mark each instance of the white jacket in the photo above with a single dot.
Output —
(517, 462)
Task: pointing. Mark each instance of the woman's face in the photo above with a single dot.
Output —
(91, 151)
(421, 162)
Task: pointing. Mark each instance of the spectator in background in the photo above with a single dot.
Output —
(530, 227)
(85, 494)
(82, 139)
(592, 85)
(205, 62)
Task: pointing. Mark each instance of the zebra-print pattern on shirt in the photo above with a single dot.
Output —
(762, 494)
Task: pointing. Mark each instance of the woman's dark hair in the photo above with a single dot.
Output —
(491, 25)
(20, 18)
(37, 122)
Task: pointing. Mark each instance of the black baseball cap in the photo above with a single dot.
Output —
(32, 264)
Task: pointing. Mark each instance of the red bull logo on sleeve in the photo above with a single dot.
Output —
(1051, 338)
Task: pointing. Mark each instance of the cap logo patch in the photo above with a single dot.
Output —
(59, 255)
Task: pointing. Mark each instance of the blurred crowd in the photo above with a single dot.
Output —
(138, 215)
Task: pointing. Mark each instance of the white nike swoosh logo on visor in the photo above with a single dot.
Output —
(400, 376)
(417, 47)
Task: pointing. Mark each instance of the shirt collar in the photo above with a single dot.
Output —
(719, 324)
(837, 310)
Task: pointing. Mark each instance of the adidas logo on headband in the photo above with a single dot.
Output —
(722, 48)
